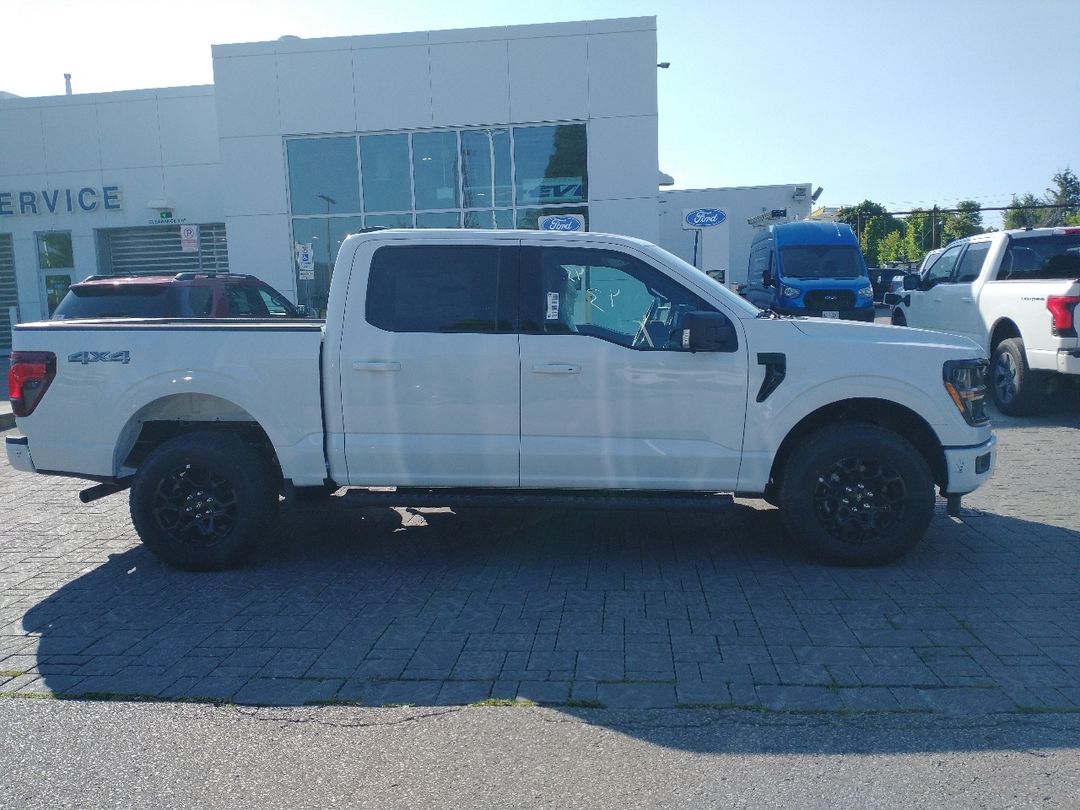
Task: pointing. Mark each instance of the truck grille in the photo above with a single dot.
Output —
(830, 299)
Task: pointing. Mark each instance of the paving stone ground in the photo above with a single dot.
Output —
(619, 609)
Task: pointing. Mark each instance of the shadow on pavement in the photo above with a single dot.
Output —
(583, 611)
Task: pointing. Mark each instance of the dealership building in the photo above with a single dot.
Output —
(300, 142)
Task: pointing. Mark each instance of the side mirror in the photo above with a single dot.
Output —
(767, 279)
(708, 332)
(911, 281)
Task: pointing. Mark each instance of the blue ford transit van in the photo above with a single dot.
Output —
(810, 268)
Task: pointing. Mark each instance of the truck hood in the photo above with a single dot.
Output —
(871, 334)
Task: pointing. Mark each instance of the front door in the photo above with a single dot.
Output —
(609, 399)
(429, 367)
(925, 310)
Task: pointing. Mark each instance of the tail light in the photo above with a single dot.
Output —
(29, 378)
(1063, 314)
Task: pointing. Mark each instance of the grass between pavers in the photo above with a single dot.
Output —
(12, 673)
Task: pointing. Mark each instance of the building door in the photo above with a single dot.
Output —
(56, 267)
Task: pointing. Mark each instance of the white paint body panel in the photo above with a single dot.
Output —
(975, 309)
(493, 410)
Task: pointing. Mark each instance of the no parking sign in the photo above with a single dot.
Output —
(189, 238)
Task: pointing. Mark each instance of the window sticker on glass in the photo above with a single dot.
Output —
(553, 306)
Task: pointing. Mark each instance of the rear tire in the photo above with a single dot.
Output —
(856, 494)
(1014, 387)
(203, 501)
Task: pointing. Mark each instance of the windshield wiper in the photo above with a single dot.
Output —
(768, 312)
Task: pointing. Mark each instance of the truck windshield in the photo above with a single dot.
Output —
(128, 301)
(820, 261)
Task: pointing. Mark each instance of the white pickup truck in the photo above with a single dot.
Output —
(1015, 293)
(510, 366)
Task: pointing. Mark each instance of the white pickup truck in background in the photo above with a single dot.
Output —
(1015, 293)
(513, 366)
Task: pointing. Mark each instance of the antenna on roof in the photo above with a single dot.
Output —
(67, 84)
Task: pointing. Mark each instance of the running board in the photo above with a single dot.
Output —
(515, 498)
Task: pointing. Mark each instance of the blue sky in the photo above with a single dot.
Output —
(908, 103)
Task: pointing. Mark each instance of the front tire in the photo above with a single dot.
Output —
(856, 494)
(1014, 387)
(898, 318)
(203, 501)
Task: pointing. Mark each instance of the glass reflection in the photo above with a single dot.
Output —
(550, 163)
(320, 168)
(435, 169)
(384, 161)
(324, 235)
(485, 168)
(441, 219)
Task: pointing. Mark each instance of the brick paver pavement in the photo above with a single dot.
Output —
(621, 609)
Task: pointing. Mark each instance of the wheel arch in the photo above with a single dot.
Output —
(175, 415)
(1004, 329)
(895, 417)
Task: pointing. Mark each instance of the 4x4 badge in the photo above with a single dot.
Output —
(100, 357)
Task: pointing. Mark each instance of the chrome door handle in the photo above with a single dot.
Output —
(557, 368)
(374, 365)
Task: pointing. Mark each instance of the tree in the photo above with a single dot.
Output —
(892, 248)
(922, 233)
(1066, 193)
(967, 221)
(1019, 215)
(871, 223)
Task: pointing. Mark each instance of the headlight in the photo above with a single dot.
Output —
(792, 292)
(965, 380)
(867, 292)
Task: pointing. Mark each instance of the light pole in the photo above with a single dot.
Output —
(329, 254)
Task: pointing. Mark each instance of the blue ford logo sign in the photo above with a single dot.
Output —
(562, 222)
(705, 217)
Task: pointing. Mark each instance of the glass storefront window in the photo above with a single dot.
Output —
(485, 168)
(550, 164)
(439, 219)
(54, 250)
(388, 221)
(323, 176)
(435, 169)
(384, 163)
(528, 217)
(325, 235)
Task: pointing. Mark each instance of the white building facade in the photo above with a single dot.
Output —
(301, 142)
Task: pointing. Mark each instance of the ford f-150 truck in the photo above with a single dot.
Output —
(509, 365)
(1016, 294)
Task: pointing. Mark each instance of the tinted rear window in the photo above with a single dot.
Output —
(113, 301)
(820, 261)
(1055, 256)
(436, 288)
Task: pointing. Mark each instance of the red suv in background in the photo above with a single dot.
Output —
(183, 295)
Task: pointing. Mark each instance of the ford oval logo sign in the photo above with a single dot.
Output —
(562, 222)
(705, 217)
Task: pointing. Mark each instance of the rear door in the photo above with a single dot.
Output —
(609, 399)
(429, 366)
